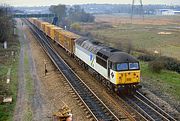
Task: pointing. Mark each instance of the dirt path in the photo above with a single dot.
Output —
(18, 114)
(29, 101)
(37, 101)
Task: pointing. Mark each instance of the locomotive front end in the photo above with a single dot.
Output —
(124, 72)
(128, 73)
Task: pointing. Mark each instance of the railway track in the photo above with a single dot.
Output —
(96, 107)
(147, 108)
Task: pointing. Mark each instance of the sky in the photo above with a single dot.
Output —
(72, 2)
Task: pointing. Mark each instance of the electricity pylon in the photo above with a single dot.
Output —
(141, 9)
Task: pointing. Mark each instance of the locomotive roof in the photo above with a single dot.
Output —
(105, 52)
(91, 45)
(122, 57)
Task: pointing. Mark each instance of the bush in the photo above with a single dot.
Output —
(5, 24)
(156, 66)
(147, 57)
(75, 27)
(170, 63)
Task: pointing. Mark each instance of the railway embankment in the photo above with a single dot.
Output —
(9, 61)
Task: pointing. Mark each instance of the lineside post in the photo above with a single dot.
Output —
(45, 69)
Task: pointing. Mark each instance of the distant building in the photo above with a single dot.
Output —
(177, 12)
(167, 12)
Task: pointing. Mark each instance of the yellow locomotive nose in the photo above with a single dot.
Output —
(128, 77)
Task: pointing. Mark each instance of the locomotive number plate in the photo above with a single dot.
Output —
(128, 79)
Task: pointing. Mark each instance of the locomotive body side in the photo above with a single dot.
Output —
(90, 59)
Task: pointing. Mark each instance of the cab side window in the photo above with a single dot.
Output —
(101, 62)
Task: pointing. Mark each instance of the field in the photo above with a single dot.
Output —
(160, 34)
(148, 20)
(152, 34)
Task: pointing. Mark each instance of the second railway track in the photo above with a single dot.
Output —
(147, 108)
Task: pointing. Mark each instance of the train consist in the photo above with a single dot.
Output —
(118, 70)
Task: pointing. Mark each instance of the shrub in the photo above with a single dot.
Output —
(75, 27)
(147, 57)
(165, 62)
(156, 66)
(170, 63)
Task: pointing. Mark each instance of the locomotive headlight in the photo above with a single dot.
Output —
(137, 77)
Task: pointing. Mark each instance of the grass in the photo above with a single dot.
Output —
(166, 81)
(142, 37)
(3, 70)
(6, 110)
(28, 114)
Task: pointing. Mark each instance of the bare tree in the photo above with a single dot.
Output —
(6, 25)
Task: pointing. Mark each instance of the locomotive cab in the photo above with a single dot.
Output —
(123, 70)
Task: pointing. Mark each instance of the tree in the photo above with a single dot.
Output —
(5, 23)
(77, 9)
(71, 15)
(59, 10)
(77, 14)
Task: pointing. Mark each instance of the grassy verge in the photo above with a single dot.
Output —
(166, 81)
(28, 114)
(6, 110)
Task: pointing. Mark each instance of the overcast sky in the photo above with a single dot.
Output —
(72, 2)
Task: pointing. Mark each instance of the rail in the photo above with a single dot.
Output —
(95, 106)
(147, 108)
